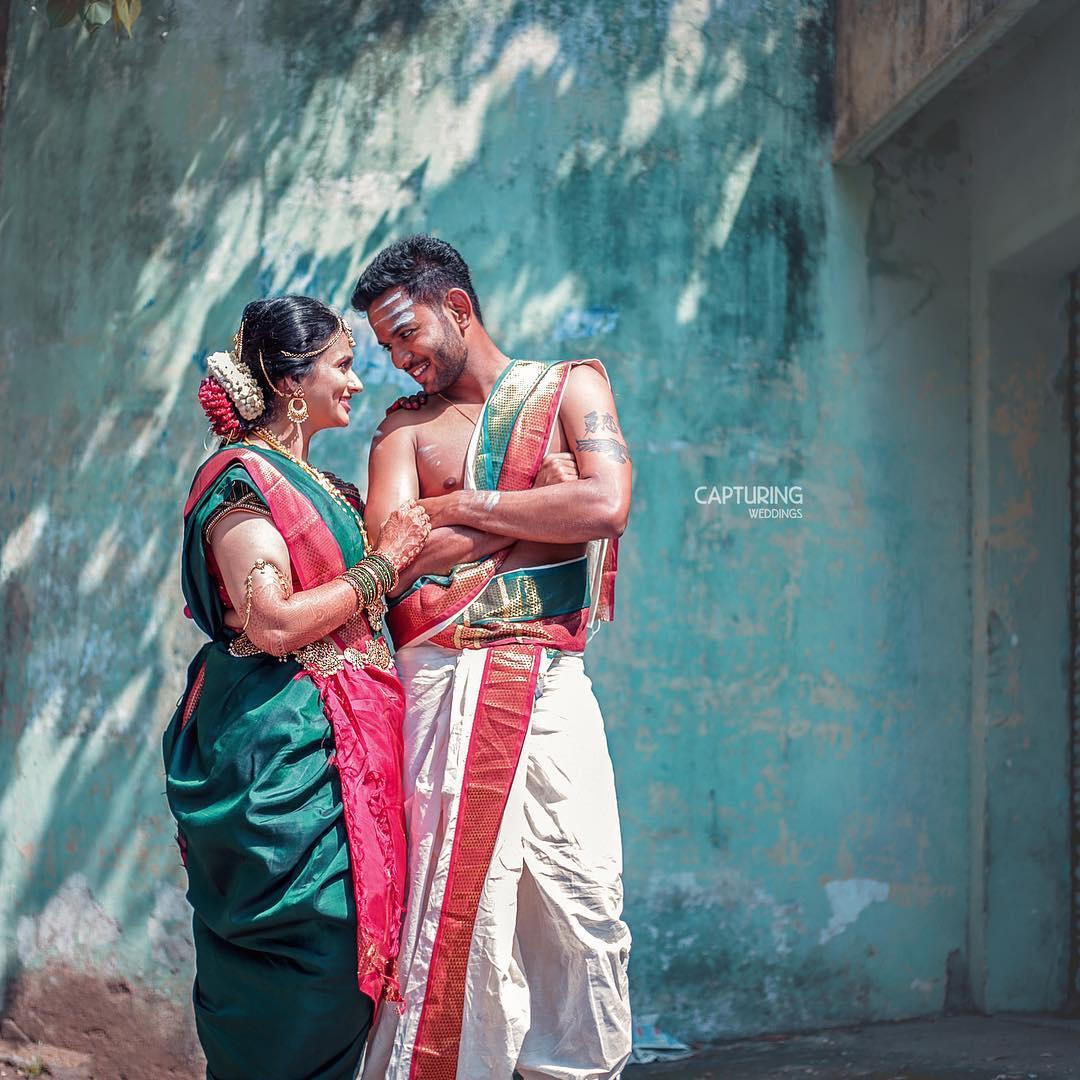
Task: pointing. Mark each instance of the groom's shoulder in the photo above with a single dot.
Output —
(586, 376)
(588, 371)
(406, 412)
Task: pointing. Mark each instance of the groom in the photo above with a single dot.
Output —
(514, 951)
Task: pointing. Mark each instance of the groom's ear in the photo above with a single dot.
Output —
(460, 308)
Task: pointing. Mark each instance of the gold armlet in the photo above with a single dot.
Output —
(261, 564)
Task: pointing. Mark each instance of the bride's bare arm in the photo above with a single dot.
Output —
(254, 563)
(253, 559)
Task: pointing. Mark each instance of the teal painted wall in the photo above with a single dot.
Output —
(787, 701)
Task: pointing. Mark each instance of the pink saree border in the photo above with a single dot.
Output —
(313, 551)
(503, 712)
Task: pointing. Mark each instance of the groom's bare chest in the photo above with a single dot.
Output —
(441, 445)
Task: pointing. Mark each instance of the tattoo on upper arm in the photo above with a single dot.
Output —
(595, 421)
(611, 447)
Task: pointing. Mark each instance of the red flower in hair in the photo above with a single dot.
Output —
(219, 409)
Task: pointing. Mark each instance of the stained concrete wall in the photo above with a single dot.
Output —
(789, 702)
(1025, 213)
(981, 201)
(892, 57)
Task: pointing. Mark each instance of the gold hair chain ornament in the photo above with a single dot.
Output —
(343, 328)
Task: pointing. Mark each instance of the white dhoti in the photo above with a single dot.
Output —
(545, 988)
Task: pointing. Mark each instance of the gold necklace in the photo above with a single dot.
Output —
(324, 482)
(460, 410)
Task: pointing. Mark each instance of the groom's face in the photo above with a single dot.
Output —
(422, 340)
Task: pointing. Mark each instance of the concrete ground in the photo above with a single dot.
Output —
(1008, 1047)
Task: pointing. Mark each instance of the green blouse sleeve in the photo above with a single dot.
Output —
(236, 495)
(232, 491)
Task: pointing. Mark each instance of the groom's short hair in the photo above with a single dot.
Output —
(424, 266)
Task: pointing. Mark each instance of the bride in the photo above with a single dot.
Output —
(283, 760)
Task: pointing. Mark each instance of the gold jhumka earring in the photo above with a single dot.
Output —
(297, 410)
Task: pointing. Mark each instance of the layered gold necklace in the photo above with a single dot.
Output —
(320, 478)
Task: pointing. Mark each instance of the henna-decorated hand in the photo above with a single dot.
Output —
(556, 469)
(409, 402)
(404, 533)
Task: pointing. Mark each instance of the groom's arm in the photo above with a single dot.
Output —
(595, 506)
(392, 480)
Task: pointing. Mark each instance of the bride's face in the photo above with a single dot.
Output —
(329, 386)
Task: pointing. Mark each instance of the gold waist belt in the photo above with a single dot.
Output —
(323, 657)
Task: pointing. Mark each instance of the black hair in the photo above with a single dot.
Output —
(295, 324)
(424, 266)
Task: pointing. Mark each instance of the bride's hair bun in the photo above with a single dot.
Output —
(279, 341)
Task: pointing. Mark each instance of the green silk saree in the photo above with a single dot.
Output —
(285, 783)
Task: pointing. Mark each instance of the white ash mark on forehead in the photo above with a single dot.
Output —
(388, 301)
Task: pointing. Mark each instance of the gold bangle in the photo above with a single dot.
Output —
(355, 585)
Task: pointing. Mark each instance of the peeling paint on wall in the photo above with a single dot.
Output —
(73, 927)
(169, 929)
(848, 899)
